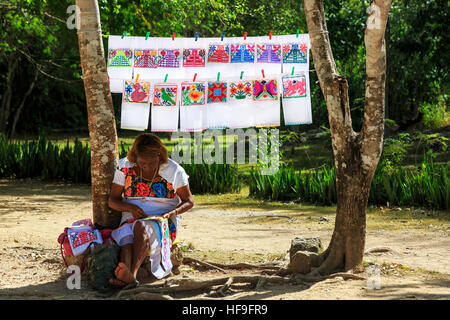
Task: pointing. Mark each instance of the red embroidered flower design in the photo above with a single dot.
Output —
(142, 189)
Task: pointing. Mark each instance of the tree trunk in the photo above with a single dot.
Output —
(6, 99)
(101, 120)
(22, 104)
(356, 154)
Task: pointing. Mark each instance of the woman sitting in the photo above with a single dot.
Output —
(152, 185)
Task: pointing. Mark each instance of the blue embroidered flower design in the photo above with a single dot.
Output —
(160, 190)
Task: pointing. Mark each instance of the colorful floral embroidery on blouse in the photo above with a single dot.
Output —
(134, 187)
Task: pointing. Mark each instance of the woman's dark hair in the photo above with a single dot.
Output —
(148, 145)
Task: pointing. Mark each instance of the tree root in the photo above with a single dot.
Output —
(379, 249)
(193, 285)
(187, 260)
(221, 267)
(220, 292)
(306, 278)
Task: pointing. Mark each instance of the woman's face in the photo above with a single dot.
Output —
(147, 163)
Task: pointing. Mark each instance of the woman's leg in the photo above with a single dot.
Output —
(141, 246)
(137, 252)
(126, 254)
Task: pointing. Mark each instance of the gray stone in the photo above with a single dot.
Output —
(311, 244)
(300, 262)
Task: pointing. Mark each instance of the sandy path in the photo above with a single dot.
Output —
(34, 213)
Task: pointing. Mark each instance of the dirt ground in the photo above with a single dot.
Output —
(34, 213)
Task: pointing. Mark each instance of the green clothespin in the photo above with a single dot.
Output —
(165, 79)
(124, 34)
(147, 35)
(242, 73)
(298, 31)
(292, 73)
(218, 76)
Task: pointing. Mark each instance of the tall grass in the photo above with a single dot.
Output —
(427, 186)
(44, 159)
(47, 160)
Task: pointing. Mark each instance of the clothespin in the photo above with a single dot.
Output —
(165, 79)
(242, 74)
(196, 36)
(147, 35)
(124, 34)
(218, 76)
(292, 73)
(137, 78)
(270, 35)
(245, 35)
(298, 31)
(195, 76)
(223, 35)
(173, 36)
(262, 71)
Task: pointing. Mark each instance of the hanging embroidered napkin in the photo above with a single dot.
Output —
(296, 99)
(296, 53)
(192, 109)
(165, 108)
(269, 56)
(218, 59)
(145, 57)
(119, 61)
(242, 58)
(266, 104)
(241, 104)
(217, 107)
(135, 105)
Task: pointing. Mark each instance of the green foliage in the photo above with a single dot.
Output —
(436, 115)
(427, 186)
(44, 159)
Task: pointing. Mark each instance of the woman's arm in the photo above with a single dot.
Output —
(187, 202)
(115, 202)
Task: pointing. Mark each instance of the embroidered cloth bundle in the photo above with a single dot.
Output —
(206, 83)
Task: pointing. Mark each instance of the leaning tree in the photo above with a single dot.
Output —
(101, 120)
(356, 154)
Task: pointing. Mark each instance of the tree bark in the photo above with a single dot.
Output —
(101, 120)
(356, 154)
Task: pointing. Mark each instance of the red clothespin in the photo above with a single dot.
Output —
(195, 76)
(270, 35)
(262, 71)
(245, 35)
(173, 36)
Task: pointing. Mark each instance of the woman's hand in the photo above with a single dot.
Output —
(171, 213)
(138, 213)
